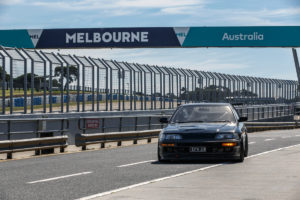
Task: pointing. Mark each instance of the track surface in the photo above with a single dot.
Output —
(72, 176)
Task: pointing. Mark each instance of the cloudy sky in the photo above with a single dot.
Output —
(263, 62)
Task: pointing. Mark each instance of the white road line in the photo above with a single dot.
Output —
(274, 150)
(147, 182)
(297, 135)
(252, 142)
(269, 139)
(59, 177)
(283, 137)
(137, 163)
(175, 175)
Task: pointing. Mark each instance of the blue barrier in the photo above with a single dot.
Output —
(65, 98)
(54, 99)
(90, 97)
(80, 98)
(37, 101)
(19, 102)
(127, 98)
(115, 97)
(99, 97)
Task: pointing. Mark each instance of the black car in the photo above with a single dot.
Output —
(203, 130)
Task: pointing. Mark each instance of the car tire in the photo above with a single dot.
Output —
(246, 147)
(242, 154)
(159, 157)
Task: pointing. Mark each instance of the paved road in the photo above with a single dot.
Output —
(272, 175)
(77, 175)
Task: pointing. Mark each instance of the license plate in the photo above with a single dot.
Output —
(197, 149)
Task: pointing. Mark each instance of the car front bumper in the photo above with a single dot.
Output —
(214, 150)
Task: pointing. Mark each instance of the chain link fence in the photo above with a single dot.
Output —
(41, 82)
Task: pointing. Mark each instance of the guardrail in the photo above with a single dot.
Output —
(45, 139)
(86, 139)
(263, 126)
(82, 140)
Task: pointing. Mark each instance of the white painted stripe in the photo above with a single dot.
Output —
(269, 139)
(175, 175)
(252, 142)
(137, 163)
(283, 137)
(274, 150)
(59, 177)
(147, 182)
(297, 135)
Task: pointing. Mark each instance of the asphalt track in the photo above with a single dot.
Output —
(84, 174)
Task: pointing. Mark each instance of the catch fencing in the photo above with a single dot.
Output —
(42, 82)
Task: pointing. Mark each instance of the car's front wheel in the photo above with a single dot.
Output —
(242, 154)
(159, 157)
(246, 147)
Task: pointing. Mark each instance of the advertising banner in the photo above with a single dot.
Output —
(153, 37)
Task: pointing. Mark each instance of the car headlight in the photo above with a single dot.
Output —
(222, 136)
(172, 137)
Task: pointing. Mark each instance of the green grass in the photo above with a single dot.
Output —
(20, 93)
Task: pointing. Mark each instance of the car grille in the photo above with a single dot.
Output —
(198, 136)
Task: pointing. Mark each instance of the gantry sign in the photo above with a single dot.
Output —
(153, 37)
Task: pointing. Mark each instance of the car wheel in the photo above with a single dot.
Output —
(242, 154)
(246, 147)
(159, 157)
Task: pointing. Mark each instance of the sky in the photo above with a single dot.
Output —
(262, 62)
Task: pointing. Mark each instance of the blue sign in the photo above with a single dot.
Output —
(256, 36)
(159, 37)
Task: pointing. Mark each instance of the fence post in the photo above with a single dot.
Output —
(9, 155)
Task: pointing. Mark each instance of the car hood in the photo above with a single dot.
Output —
(200, 128)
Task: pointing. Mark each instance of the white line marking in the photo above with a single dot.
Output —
(283, 137)
(252, 142)
(269, 139)
(175, 175)
(137, 163)
(274, 150)
(147, 182)
(59, 177)
(297, 135)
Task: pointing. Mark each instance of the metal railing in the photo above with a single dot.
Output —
(37, 81)
(40, 139)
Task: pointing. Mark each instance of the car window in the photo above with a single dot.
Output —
(203, 113)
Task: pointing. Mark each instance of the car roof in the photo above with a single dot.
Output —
(206, 104)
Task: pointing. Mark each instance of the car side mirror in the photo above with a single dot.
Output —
(243, 119)
(163, 120)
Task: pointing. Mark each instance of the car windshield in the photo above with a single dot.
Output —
(203, 113)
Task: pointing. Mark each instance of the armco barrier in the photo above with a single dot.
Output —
(263, 126)
(40, 139)
(86, 139)
(12, 146)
